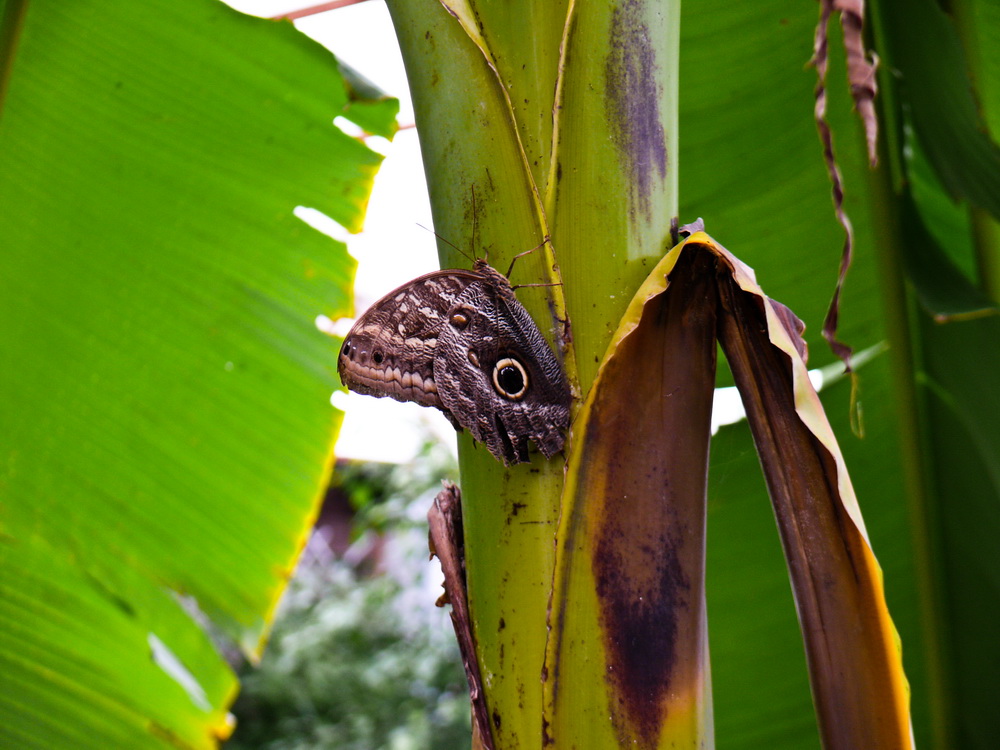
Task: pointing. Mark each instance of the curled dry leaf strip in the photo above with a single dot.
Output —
(860, 70)
(445, 521)
(861, 74)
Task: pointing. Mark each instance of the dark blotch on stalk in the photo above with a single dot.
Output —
(633, 96)
(641, 619)
(651, 439)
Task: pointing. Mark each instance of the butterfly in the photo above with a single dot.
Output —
(460, 341)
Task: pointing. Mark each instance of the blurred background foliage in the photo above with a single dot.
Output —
(360, 657)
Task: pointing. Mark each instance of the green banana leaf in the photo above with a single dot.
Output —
(923, 469)
(165, 427)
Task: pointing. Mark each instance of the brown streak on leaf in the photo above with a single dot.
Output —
(649, 550)
(632, 531)
(849, 668)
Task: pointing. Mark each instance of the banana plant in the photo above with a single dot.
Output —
(165, 435)
(584, 130)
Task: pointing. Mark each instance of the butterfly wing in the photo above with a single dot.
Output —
(390, 349)
(497, 375)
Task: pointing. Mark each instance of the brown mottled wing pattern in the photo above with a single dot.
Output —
(500, 329)
(461, 342)
(390, 349)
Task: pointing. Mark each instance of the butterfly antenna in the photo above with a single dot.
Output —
(525, 286)
(475, 221)
(513, 260)
(450, 244)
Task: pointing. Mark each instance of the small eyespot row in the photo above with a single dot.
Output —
(350, 351)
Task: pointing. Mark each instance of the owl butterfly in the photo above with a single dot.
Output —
(460, 341)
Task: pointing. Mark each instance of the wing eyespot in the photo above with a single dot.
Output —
(510, 379)
(459, 319)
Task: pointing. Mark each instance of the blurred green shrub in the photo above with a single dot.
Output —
(360, 658)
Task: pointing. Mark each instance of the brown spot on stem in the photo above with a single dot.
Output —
(640, 617)
(631, 105)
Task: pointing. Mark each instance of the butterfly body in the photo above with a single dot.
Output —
(461, 342)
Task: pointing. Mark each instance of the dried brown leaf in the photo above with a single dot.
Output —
(445, 520)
